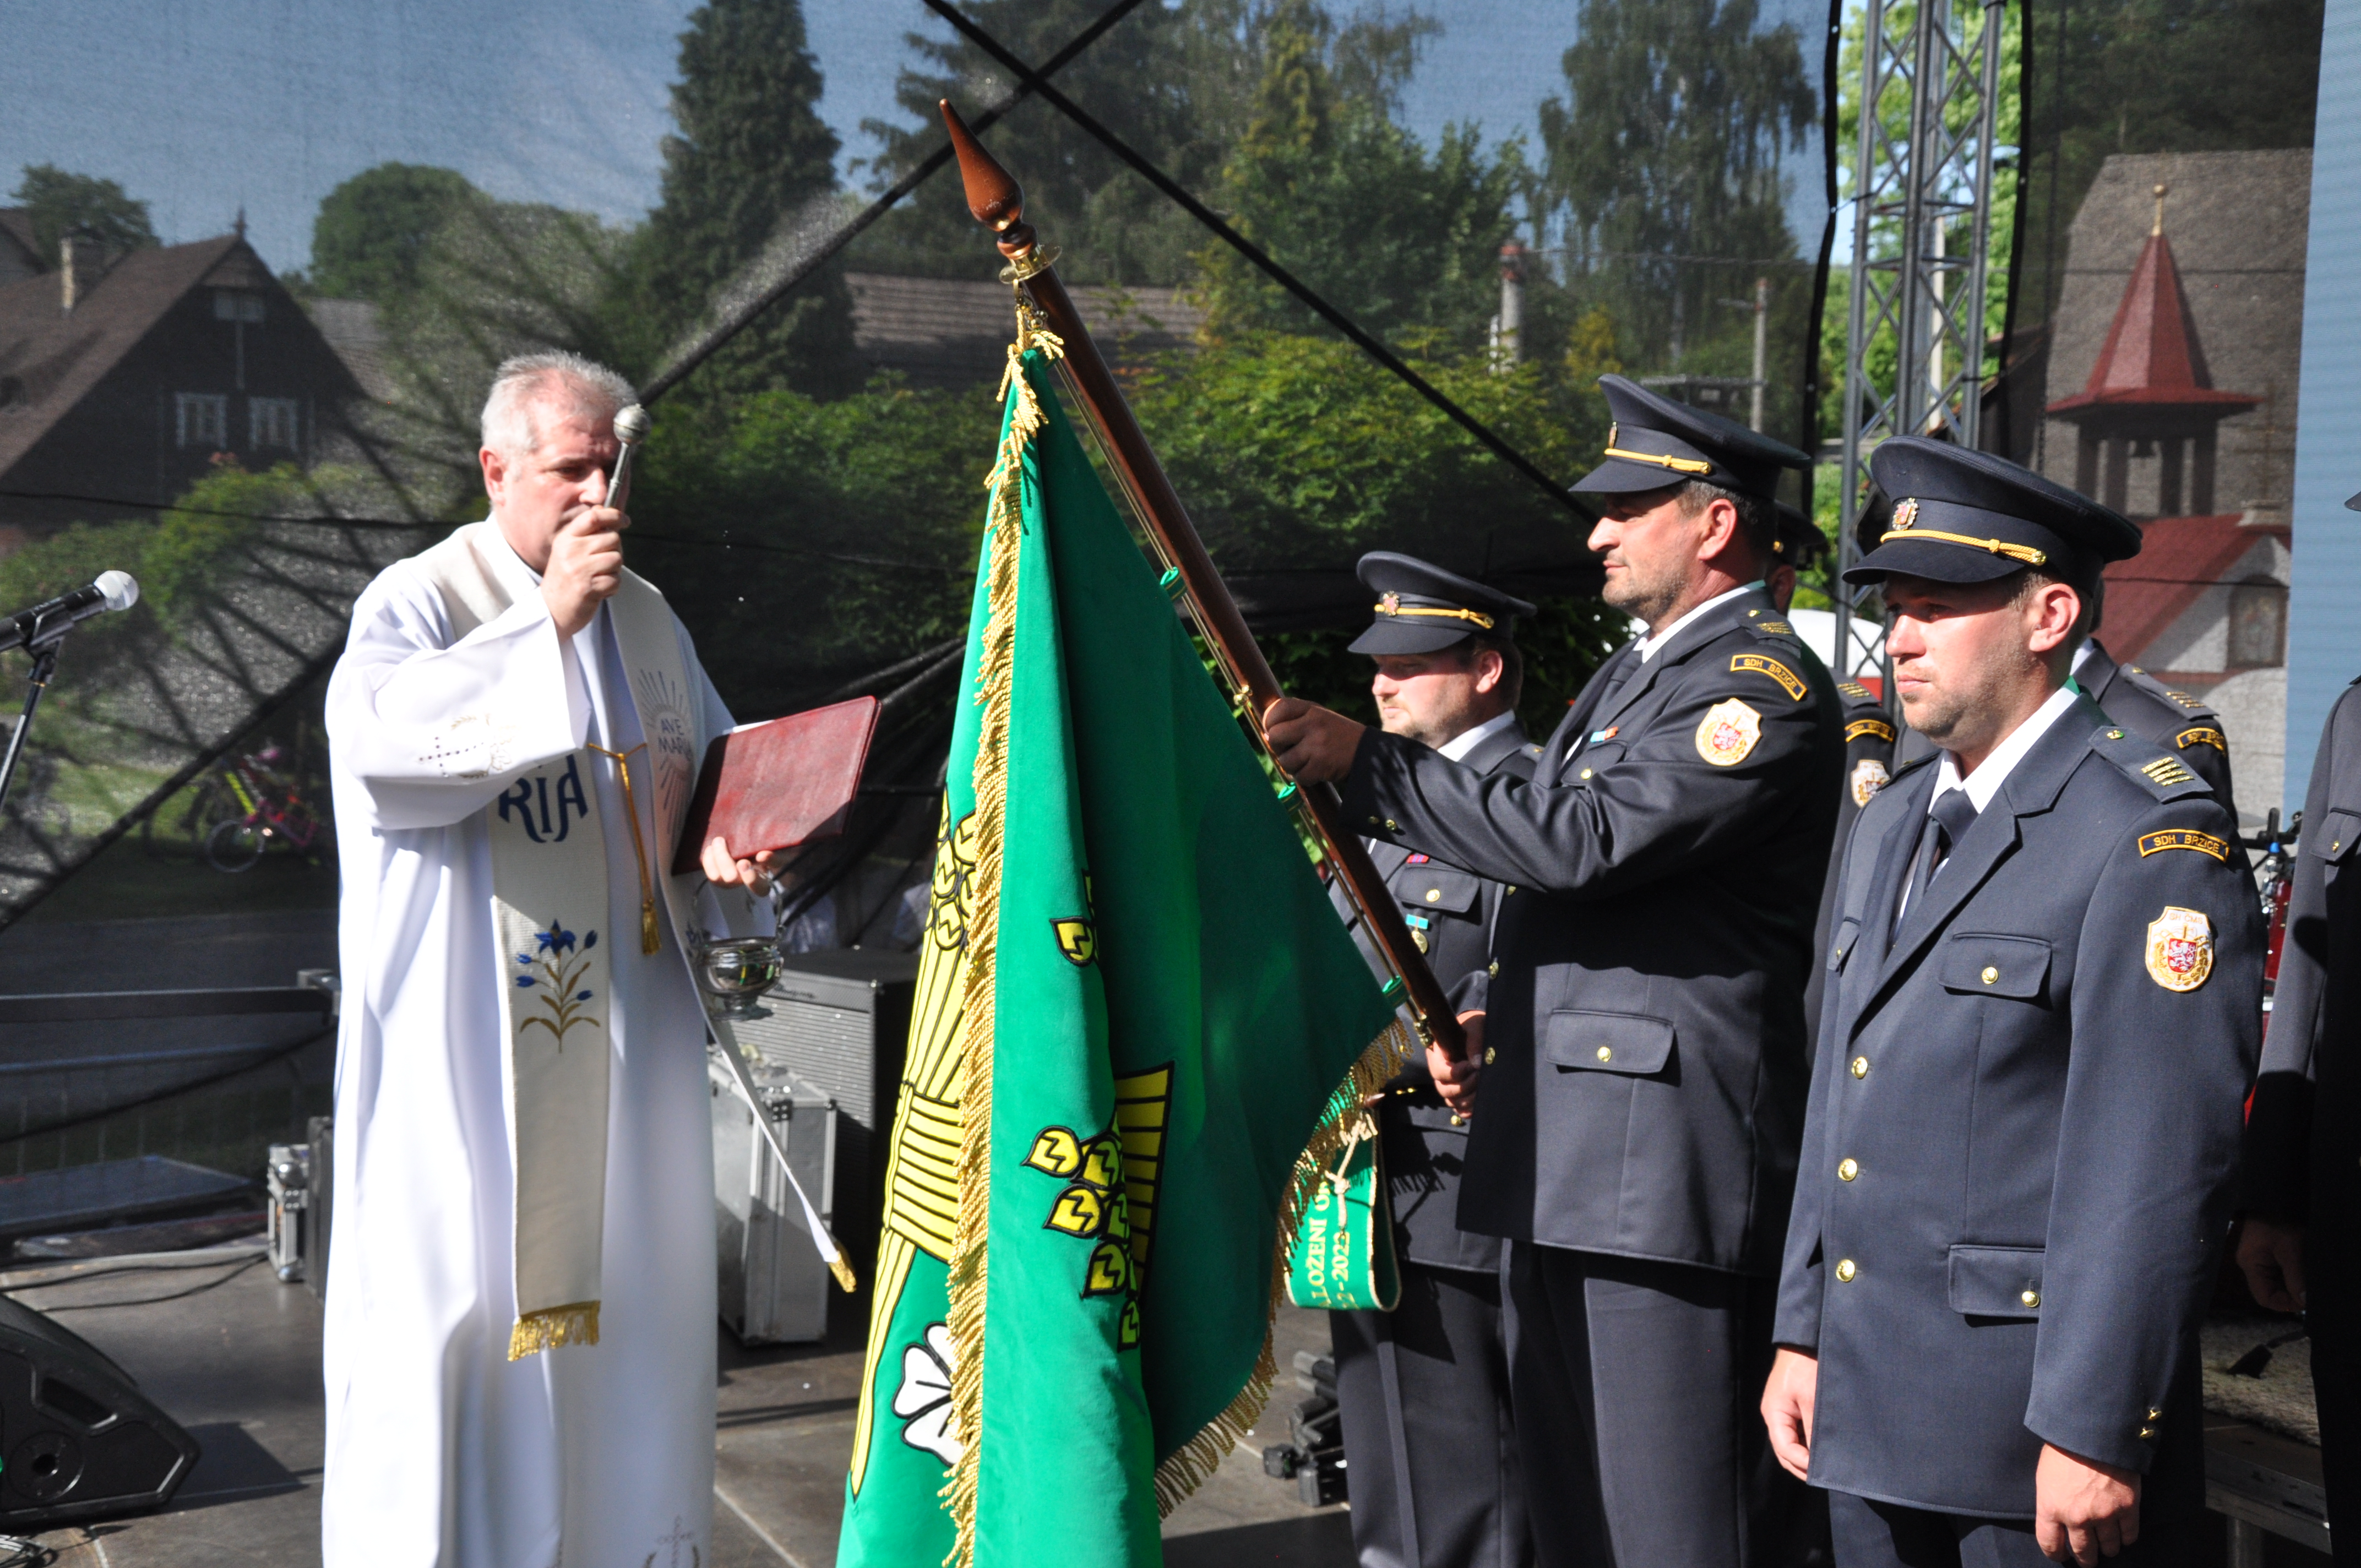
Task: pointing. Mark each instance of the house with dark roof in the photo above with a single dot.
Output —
(122, 383)
(2172, 380)
(21, 255)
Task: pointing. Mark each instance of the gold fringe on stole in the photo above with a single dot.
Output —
(1186, 1467)
(576, 1323)
(994, 672)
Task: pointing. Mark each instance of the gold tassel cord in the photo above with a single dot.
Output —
(650, 938)
(1186, 1468)
(576, 1323)
(994, 674)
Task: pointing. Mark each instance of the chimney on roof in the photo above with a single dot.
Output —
(80, 263)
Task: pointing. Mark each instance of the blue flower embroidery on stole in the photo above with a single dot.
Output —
(554, 978)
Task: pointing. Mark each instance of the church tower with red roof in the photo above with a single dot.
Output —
(2149, 394)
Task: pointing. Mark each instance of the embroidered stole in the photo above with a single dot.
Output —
(549, 906)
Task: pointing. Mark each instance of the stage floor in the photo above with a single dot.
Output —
(238, 1364)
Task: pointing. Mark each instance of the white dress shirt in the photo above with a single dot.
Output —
(1458, 746)
(1655, 640)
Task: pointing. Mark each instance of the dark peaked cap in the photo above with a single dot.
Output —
(1971, 516)
(1423, 608)
(1656, 441)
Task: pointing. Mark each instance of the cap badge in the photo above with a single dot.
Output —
(1612, 428)
(1869, 776)
(2180, 949)
(1728, 733)
(1905, 515)
(1389, 603)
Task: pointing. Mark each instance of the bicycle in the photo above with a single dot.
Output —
(236, 816)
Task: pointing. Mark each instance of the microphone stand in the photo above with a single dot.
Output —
(45, 665)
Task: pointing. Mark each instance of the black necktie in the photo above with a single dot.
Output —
(1947, 821)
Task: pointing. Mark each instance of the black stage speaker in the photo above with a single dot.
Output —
(78, 1440)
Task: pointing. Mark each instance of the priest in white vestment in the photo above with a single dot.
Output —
(520, 1035)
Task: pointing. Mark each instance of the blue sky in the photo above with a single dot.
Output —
(202, 107)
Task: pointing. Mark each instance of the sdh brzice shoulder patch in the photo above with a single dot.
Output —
(1764, 665)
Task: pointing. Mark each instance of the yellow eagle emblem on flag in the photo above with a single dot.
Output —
(2180, 949)
(1728, 732)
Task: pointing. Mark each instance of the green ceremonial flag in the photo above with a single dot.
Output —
(1135, 1014)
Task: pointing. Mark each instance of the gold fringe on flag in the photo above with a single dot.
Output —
(576, 1323)
(1186, 1468)
(996, 667)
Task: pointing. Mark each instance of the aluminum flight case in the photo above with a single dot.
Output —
(839, 1019)
(774, 1286)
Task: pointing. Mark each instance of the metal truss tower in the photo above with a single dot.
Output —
(1931, 91)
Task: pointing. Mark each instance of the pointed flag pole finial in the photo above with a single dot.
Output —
(2158, 192)
(994, 196)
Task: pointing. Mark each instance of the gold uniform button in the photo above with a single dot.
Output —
(1991, 974)
(2114, 734)
(1391, 826)
(1434, 895)
(1861, 1067)
(2147, 1435)
(2153, 1415)
(1493, 968)
(1845, 1271)
(2031, 1298)
(1488, 1054)
(1512, 887)
(1605, 1054)
(1586, 773)
(1847, 1169)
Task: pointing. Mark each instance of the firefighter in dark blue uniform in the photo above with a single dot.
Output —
(2045, 979)
(1633, 1139)
(1423, 1390)
(2301, 1244)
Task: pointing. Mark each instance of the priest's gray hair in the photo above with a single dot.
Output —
(576, 385)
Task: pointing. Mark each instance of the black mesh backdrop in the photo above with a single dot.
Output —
(245, 330)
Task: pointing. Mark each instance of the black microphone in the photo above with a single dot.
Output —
(46, 622)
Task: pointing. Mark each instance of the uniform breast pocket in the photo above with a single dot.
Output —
(2334, 839)
(1847, 932)
(1593, 760)
(1996, 1281)
(1437, 889)
(1986, 963)
(1634, 1044)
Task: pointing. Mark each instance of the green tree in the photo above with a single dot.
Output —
(59, 204)
(751, 175)
(1664, 162)
(1398, 238)
(1172, 81)
(1298, 454)
(371, 234)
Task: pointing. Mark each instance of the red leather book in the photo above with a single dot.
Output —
(779, 783)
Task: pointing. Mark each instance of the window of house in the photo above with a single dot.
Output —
(204, 420)
(2258, 623)
(271, 422)
(236, 305)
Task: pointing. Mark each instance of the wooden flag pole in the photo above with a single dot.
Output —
(998, 203)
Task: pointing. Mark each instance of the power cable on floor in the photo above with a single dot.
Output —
(234, 1271)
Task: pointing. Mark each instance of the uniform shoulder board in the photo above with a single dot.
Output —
(1904, 770)
(1855, 692)
(2172, 697)
(2164, 775)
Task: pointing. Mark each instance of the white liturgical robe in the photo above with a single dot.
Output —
(440, 1451)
